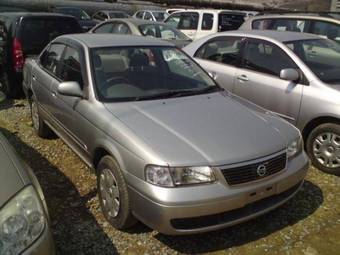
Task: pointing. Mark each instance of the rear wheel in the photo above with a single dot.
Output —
(323, 148)
(113, 194)
(39, 125)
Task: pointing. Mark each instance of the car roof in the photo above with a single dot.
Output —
(137, 22)
(114, 40)
(14, 15)
(110, 11)
(281, 36)
(312, 16)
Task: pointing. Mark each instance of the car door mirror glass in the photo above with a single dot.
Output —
(70, 88)
(289, 74)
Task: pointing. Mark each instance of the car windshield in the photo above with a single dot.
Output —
(118, 15)
(160, 16)
(322, 56)
(145, 73)
(162, 31)
(78, 13)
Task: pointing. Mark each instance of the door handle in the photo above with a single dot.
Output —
(54, 94)
(34, 78)
(243, 78)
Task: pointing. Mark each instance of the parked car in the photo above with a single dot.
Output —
(327, 26)
(295, 75)
(199, 23)
(169, 146)
(24, 221)
(83, 18)
(3, 41)
(104, 15)
(154, 15)
(143, 28)
(28, 34)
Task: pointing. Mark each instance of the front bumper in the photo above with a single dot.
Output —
(44, 245)
(202, 208)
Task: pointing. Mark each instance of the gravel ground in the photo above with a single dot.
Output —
(308, 224)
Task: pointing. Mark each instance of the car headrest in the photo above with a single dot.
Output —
(139, 60)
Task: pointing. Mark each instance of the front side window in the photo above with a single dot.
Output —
(188, 21)
(145, 73)
(160, 16)
(322, 56)
(120, 28)
(50, 59)
(222, 50)
(173, 20)
(147, 16)
(160, 31)
(70, 66)
(106, 28)
(266, 58)
(326, 30)
(139, 15)
(208, 21)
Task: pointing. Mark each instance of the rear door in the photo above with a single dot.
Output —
(258, 79)
(221, 57)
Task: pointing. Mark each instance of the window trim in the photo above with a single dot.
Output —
(61, 57)
(218, 38)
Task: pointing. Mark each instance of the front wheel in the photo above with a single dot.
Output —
(113, 194)
(323, 148)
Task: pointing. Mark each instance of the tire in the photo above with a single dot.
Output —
(39, 126)
(323, 148)
(4, 84)
(113, 194)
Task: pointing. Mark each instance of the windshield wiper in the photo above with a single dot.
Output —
(179, 93)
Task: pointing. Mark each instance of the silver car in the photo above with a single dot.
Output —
(24, 227)
(142, 28)
(170, 147)
(295, 75)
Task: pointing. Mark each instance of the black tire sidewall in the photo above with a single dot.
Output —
(43, 130)
(124, 219)
(329, 127)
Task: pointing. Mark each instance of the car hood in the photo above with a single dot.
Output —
(205, 129)
(11, 180)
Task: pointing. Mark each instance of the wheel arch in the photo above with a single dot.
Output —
(311, 125)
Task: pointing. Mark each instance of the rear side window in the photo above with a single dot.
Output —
(50, 59)
(70, 67)
(266, 58)
(147, 16)
(36, 33)
(120, 28)
(294, 25)
(139, 15)
(225, 50)
(229, 21)
(207, 22)
(326, 30)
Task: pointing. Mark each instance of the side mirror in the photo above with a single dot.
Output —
(289, 74)
(70, 88)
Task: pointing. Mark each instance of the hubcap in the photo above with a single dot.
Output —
(35, 116)
(109, 193)
(326, 149)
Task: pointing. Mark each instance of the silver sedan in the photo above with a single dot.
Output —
(170, 147)
(294, 75)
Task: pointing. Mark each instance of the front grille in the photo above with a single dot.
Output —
(229, 216)
(251, 172)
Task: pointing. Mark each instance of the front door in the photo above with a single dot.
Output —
(258, 79)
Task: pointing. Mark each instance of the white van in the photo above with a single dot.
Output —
(198, 23)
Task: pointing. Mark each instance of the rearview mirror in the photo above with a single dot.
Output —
(289, 74)
(70, 88)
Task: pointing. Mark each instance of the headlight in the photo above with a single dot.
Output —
(176, 176)
(294, 148)
(21, 222)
